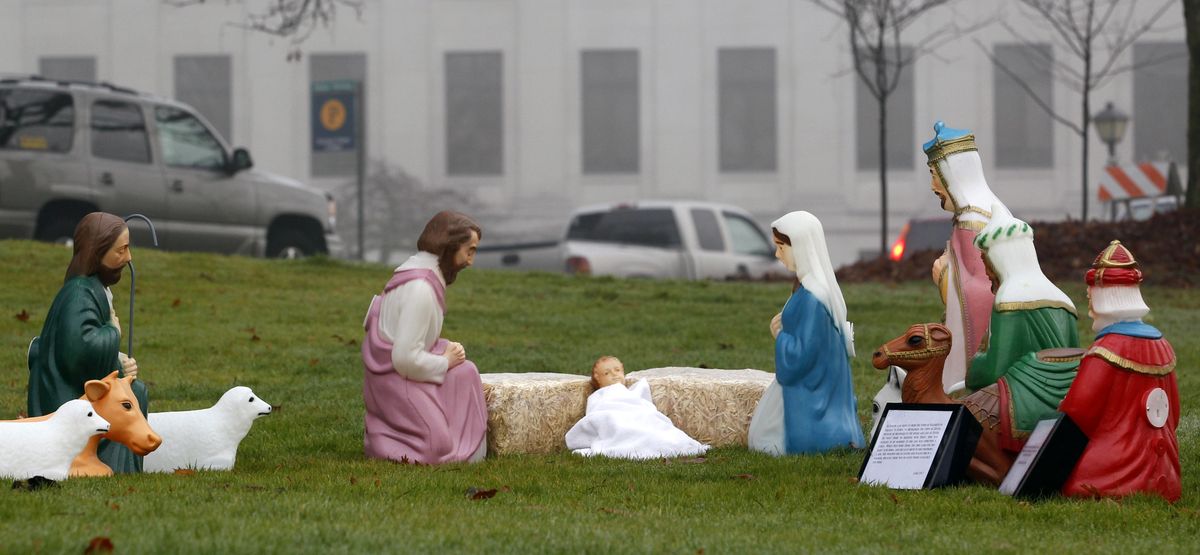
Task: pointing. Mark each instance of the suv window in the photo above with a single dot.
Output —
(119, 132)
(707, 230)
(186, 142)
(745, 236)
(36, 120)
(653, 227)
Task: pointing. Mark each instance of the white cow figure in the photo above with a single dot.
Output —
(46, 447)
(890, 393)
(205, 439)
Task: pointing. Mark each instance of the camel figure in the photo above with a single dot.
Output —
(922, 351)
(113, 400)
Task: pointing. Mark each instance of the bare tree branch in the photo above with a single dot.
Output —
(291, 19)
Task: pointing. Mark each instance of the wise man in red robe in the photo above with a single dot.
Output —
(1125, 397)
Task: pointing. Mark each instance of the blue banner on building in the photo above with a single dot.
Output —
(334, 116)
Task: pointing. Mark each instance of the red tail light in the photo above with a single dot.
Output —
(578, 265)
(897, 250)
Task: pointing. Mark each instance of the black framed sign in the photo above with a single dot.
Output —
(921, 446)
(1046, 460)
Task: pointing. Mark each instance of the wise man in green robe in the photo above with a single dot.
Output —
(1030, 314)
(81, 337)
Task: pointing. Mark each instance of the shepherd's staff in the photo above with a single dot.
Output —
(133, 276)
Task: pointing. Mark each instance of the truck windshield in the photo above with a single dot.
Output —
(649, 227)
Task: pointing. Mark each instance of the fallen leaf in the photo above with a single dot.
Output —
(895, 499)
(99, 544)
(505, 489)
(353, 480)
(175, 303)
(377, 482)
(23, 316)
(114, 506)
(184, 472)
(477, 494)
(255, 337)
(724, 346)
(313, 361)
(744, 476)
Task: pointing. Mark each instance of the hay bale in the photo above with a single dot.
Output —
(531, 412)
(711, 405)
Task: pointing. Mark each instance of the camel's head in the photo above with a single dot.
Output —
(920, 344)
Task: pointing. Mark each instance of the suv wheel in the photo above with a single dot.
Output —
(58, 228)
(290, 243)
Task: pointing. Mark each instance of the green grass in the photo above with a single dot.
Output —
(302, 483)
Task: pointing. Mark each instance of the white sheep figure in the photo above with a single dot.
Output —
(205, 439)
(46, 447)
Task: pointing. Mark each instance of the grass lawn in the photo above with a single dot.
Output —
(290, 330)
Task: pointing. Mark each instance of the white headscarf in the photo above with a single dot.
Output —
(810, 257)
(963, 173)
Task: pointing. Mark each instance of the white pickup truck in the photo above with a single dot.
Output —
(649, 239)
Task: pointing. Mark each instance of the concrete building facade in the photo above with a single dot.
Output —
(537, 106)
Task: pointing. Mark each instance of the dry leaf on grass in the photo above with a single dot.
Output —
(99, 544)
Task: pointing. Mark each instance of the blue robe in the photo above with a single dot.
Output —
(813, 370)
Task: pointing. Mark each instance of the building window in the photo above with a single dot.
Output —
(339, 67)
(609, 113)
(204, 82)
(746, 104)
(1160, 92)
(474, 113)
(119, 132)
(1024, 130)
(68, 68)
(900, 107)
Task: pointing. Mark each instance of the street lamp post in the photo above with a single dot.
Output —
(1110, 125)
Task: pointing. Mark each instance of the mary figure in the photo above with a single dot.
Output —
(810, 407)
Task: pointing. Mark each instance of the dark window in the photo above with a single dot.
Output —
(1024, 132)
(654, 227)
(119, 132)
(609, 81)
(1160, 92)
(745, 236)
(707, 230)
(204, 82)
(474, 113)
(36, 120)
(900, 109)
(68, 68)
(746, 119)
(185, 142)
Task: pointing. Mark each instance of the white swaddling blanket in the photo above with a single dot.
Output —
(623, 423)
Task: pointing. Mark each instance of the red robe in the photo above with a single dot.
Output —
(1126, 453)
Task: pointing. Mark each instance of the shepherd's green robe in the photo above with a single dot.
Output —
(79, 343)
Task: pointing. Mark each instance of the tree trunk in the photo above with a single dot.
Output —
(1087, 121)
(1191, 17)
(883, 203)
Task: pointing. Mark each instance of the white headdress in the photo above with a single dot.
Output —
(810, 258)
(1008, 244)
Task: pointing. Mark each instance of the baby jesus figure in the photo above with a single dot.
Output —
(623, 422)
